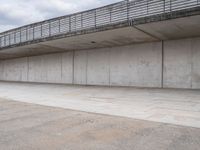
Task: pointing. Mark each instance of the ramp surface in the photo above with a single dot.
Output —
(180, 107)
(29, 127)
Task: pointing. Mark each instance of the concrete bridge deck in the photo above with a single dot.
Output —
(117, 24)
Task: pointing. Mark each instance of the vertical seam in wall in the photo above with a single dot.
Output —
(27, 69)
(73, 67)
(3, 74)
(109, 65)
(61, 67)
(162, 69)
(192, 54)
(86, 68)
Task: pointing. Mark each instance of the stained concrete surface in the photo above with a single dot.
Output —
(171, 64)
(133, 65)
(180, 107)
(26, 126)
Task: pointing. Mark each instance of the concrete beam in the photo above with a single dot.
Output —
(108, 38)
(165, 26)
(173, 28)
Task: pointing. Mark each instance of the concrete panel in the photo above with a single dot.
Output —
(53, 68)
(177, 64)
(37, 69)
(80, 67)
(52, 65)
(196, 63)
(45, 68)
(98, 69)
(15, 69)
(67, 67)
(137, 65)
(1, 70)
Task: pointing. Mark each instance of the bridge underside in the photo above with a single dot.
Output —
(109, 38)
(139, 32)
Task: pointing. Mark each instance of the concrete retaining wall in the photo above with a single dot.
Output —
(134, 65)
(14, 70)
(182, 63)
(137, 65)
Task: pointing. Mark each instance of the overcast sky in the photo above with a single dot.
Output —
(15, 13)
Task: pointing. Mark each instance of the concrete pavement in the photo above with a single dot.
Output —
(26, 126)
(179, 107)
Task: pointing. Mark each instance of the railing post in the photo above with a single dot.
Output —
(4, 40)
(41, 30)
(81, 20)
(95, 18)
(49, 28)
(170, 5)
(33, 32)
(20, 35)
(9, 39)
(59, 25)
(75, 24)
(110, 15)
(69, 23)
(15, 37)
(26, 33)
(164, 6)
(127, 5)
(0, 42)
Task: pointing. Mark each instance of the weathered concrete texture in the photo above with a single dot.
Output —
(180, 107)
(182, 63)
(67, 67)
(80, 67)
(53, 68)
(196, 63)
(32, 127)
(45, 68)
(186, 27)
(137, 65)
(133, 65)
(14, 70)
(98, 69)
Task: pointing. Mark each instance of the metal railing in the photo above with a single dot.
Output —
(110, 14)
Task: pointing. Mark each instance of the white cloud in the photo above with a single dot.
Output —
(15, 13)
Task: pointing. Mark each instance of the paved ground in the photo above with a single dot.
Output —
(26, 126)
(180, 107)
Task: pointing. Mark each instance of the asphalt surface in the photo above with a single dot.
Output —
(26, 126)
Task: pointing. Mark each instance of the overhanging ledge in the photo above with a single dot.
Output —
(152, 26)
